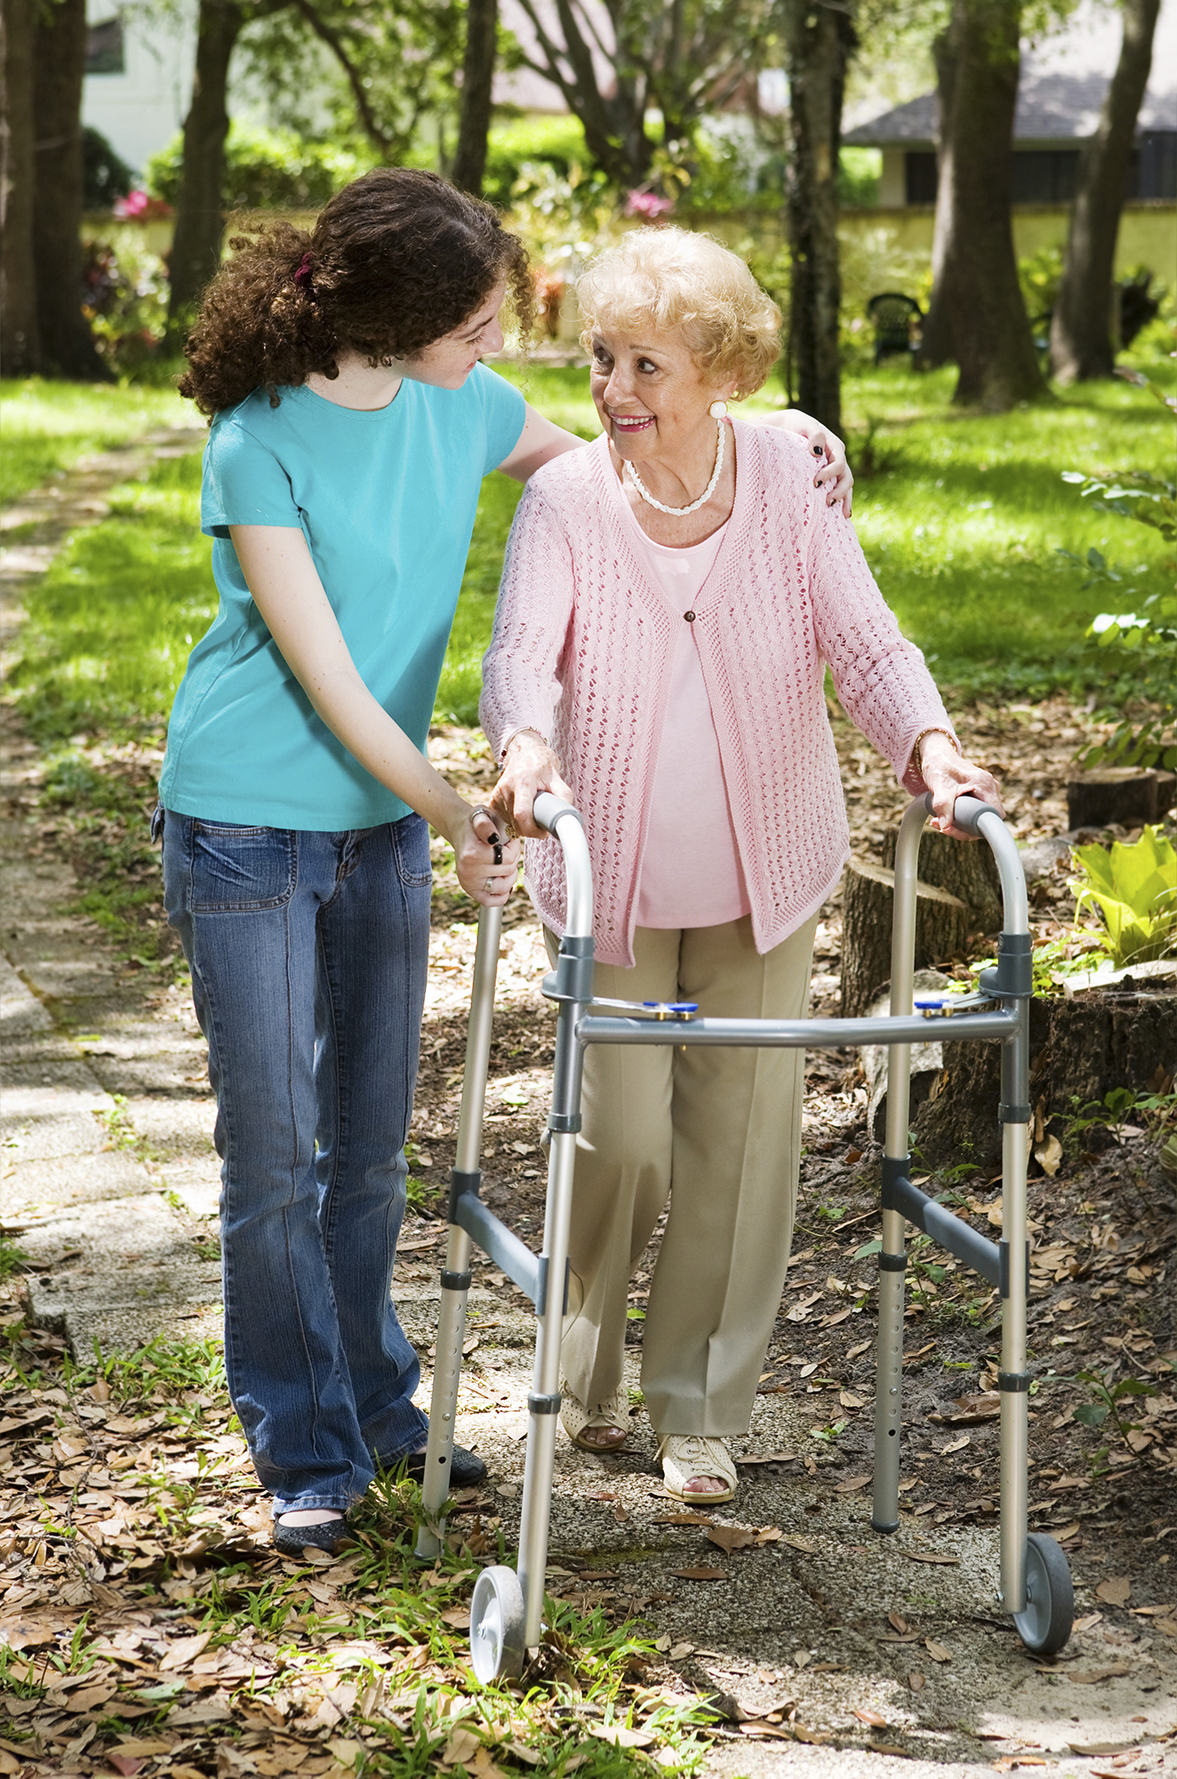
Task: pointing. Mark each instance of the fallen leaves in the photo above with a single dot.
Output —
(741, 1537)
(700, 1574)
(852, 1484)
(972, 1410)
(1093, 1676)
(941, 1558)
(1116, 1590)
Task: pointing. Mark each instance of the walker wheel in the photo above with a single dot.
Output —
(496, 1625)
(1045, 1623)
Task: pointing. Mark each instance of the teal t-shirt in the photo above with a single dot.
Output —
(386, 501)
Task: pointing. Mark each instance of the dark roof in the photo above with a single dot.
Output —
(1052, 108)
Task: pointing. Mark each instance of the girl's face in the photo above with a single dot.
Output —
(650, 394)
(446, 363)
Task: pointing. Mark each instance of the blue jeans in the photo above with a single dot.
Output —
(308, 954)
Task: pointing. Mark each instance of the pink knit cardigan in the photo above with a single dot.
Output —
(581, 651)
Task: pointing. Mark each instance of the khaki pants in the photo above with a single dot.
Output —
(718, 1131)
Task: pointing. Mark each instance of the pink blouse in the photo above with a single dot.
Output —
(689, 871)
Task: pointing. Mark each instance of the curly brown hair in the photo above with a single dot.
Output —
(396, 260)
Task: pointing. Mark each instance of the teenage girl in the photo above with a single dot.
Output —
(352, 424)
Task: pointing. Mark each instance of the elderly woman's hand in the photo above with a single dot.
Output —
(529, 767)
(948, 777)
(834, 476)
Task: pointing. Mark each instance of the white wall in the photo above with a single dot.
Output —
(141, 109)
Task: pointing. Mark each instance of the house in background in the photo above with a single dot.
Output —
(1060, 92)
(138, 79)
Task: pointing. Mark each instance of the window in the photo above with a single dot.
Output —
(104, 48)
(1044, 175)
(1157, 165)
(921, 178)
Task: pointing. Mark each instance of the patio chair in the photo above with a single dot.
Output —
(893, 315)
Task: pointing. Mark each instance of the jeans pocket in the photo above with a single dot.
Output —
(238, 869)
(410, 845)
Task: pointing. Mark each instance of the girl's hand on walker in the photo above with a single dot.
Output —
(948, 777)
(476, 839)
(529, 768)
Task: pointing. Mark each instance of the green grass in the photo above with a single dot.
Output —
(961, 519)
(46, 427)
(962, 525)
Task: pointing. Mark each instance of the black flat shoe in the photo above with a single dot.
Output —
(465, 1468)
(331, 1536)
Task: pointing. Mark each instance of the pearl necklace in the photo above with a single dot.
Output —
(681, 512)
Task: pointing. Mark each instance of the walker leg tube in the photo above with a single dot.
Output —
(1014, 1380)
(443, 1407)
(455, 1278)
(892, 1258)
(544, 1402)
(889, 1377)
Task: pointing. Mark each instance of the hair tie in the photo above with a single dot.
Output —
(303, 274)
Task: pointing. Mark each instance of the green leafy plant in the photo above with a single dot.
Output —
(1108, 1398)
(1134, 887)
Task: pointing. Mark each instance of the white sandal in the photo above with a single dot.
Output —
(576, 1417)
(685, 1456)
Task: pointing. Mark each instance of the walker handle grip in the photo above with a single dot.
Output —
(549, 810)
(966, 812)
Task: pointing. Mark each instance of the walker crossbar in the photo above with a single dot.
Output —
(527, 1270)
(505, 1616)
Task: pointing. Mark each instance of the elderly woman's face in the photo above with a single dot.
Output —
(650, 394)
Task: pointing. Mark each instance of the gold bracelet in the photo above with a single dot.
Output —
(526, 730)
(917, 745)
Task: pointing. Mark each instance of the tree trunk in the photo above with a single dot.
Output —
(20, 343)
(868, 897)
(478, 71)
(935, 333)
(966, 870)
(1080, 332)
(59, 57)
(819, 41)
(196, 247)
(991, 337)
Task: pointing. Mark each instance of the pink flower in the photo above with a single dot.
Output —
(138, 206)
(647, 204)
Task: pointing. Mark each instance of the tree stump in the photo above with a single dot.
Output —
(1114, 794)
(1080, 1049)
(941, 923)
(927, 1060)
(964, 868)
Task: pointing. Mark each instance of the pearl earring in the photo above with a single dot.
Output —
(717, 410)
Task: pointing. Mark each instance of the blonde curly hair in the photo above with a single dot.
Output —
(670, 280)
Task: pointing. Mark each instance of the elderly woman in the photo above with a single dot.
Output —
(671, 599)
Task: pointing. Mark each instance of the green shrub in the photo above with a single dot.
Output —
(264, 170)
(105, 175)
(126, 298)
(557, 142)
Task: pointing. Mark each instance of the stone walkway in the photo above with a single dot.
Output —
(108, 1186)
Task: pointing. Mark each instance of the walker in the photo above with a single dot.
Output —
(505, 1613)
